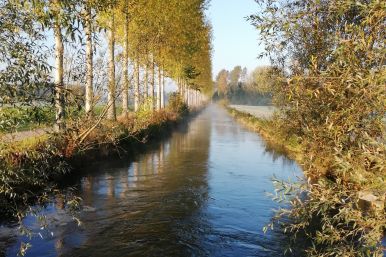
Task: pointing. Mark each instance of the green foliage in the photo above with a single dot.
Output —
(177, 105)
(27, 168)
(24, 71)
(222, 82)
(234, 76)
(264, 79)
(145, 110)
(334, 100)
(174, 34)
(22, 118)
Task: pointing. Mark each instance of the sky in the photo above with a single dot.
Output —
(235, 41)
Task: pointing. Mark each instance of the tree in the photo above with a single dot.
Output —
(264, 79)
(152, 83)
(111, 113)
(244, 75)
(136, 85)
(159, 88)
(87, 23)
(222, 82)
(90, 8)
(57, 15)
(55, 7)
(125, 91)
(234, 77)
(24, 71)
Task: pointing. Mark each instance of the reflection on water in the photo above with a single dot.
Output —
(200, 193)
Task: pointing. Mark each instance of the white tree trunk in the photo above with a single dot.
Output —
(152, 84)
(136, 88)
(111, 113)
(186, 95)
(146, 89)
(125, 92)
(183, 86)
(89, 60)
(159, 89)
(163, 91)
(59, 85)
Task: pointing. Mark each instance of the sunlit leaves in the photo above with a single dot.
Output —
(24, 71)
(334, 100)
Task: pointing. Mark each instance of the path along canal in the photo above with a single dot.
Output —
(202, 192)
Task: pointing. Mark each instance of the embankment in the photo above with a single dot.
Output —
(338, 207)
(34, 165)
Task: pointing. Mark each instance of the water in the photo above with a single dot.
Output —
(200, 193)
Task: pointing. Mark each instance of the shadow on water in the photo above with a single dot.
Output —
(201, 192)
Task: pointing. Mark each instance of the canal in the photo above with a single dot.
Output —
(202, 192)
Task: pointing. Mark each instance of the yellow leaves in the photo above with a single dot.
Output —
(330, 126)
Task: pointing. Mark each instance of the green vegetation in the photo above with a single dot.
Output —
(25, 118)
(271, 130)
(332, 98)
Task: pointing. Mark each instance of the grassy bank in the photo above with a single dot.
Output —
(333, 209)
(30, 167)
(271, 131)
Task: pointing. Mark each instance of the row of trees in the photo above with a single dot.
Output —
(145, 42)
(240, 87)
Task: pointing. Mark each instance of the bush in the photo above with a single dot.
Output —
(334, 101)
(176, 104)
(20, 118)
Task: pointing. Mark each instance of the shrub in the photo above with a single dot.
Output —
(334, 101)
(176, 104)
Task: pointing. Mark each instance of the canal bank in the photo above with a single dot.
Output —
(356, 210)
(203, 192)
(31, 168)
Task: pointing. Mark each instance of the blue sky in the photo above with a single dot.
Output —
(235, 41)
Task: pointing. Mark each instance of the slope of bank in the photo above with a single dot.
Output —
(355, 212)
(32, 166)
(268, 129)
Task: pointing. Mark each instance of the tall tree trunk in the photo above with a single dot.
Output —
(183, 90)
(187, 96)
(89, 60)
(186, 92)
(111, 113)
(159, 89)
(152, 83)
(146, 89)
(136, 88)
(163, 90)
(59, 85)
(179, 86)
(125, 92)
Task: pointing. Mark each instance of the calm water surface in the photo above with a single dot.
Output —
(203, 192)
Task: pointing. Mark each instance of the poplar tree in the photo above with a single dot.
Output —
(88, 27)
(111, 113)
(55, 8)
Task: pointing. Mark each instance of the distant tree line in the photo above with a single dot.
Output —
(240, 87)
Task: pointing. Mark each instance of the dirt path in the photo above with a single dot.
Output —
(19, 136)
